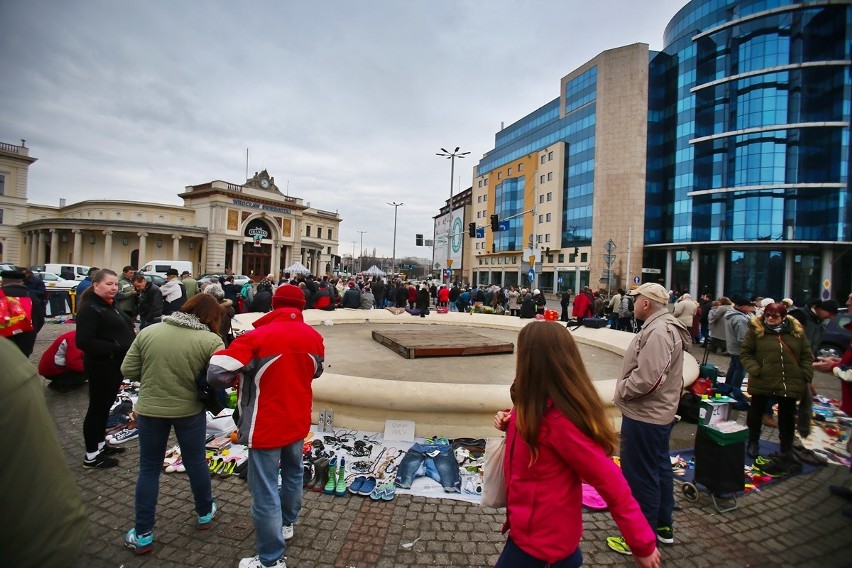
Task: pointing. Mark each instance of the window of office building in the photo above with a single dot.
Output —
(520, 167)
(550, 196)
(307, 230)
(547, 238)
(499, 175)
(550, 156)
(561, 258)
(549, 176)
(509, 172)
(541, 218)
(547, 217)
(584, 257)
(1, 216)
(543, 158)
(2, 184)
(329, 234)
(541, 178)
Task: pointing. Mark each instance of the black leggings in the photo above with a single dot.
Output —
(786, 419)
(103, 387)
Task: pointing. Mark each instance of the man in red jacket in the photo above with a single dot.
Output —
(278, 360)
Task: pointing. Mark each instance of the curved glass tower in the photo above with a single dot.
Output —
(747, 189)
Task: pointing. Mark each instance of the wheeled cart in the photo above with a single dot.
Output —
(719, 466)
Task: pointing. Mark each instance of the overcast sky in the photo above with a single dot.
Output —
(348, 101)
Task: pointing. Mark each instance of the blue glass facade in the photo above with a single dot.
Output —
(538, 130)
(748, 145)
(509, 202)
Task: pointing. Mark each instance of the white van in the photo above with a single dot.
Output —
(66, 271)
(160, 267)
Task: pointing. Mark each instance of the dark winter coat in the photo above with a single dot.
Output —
(777, 363)
(104, 334)
(262, 301)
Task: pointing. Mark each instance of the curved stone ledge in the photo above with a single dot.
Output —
(448, 409)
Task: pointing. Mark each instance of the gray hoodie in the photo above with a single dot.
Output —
(736, 325)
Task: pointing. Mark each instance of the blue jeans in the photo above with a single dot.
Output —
(514, 557)
(443, 460)
(736, 373)
(154, 432)
(271, 506)
(647, 468)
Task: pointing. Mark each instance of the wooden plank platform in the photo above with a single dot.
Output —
(444, 342)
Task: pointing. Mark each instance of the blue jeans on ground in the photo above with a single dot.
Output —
(444, 462)
(271, 507)
(647, 468)
(154, 432)
(513, 557)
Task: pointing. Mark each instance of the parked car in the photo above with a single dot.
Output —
(55, 282)
(837, 335)
(7, 267)
(239, 279)
(155, 278)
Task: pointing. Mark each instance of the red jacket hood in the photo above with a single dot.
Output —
(285, 314)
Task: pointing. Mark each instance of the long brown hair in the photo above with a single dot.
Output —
(549, 367)
(206, 309)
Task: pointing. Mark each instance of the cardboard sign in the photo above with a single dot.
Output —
(400, 430)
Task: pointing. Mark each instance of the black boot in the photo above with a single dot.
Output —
(753, 449)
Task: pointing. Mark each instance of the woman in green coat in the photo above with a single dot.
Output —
(779, 362)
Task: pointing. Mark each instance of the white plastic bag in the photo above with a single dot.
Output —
(493, 476)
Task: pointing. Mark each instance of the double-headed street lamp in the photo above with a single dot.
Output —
(395, 206)
(361, 252)
(444, 153)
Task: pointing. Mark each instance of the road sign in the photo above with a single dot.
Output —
(636, 280)
(651, 271)
(609, 246)
(531, 274)
(503, 226)
(559, 280)
(480, 232)
(608, 258)
(449, 272)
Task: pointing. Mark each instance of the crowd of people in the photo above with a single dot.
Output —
(184, 339)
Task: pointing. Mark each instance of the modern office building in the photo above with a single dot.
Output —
(748, 149)
(251, 228)
(567, 179)
(719, 164)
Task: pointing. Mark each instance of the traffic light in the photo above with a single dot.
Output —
(576, 251)
(471, 230)
(418, 240)
(495, 222)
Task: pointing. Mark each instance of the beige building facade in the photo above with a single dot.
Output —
(250, 228)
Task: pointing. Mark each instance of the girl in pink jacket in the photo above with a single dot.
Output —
(558, 436)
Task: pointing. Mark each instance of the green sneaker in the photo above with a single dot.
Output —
(332, 477)
(340, 485)
(618, 544)
(665, 535)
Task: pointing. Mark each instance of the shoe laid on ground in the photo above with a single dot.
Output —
(287, 532)
(108, 450)
(255, 562)
(331, 483)
(753, 449)
(769, 421)
(317, 482)
(205, 520)
(665, 535)
(124, 436)
(100, 461)
(340, 484)
(139, 544)
(618, 544)
(840, 491)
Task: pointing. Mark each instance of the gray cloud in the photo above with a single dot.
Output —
(348, 101)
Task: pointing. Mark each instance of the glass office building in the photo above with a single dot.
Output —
(747, 187)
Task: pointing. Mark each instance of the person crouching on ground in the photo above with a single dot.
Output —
(558, 435)
(278, 360)
(166, 358)
(62, 363)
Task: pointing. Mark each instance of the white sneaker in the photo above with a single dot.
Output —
(287, 532)
(254, 562)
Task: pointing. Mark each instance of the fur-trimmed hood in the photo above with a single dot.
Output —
(791, 325)
(182, 319)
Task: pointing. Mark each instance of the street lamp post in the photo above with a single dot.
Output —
(444, 153)
(396, 207)
(361, 252)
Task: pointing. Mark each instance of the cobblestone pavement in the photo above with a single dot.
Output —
(790, 523)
